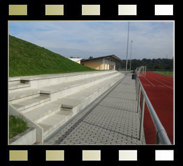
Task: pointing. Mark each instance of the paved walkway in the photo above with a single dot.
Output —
(110, 120)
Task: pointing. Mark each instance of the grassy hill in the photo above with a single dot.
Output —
(26, 59)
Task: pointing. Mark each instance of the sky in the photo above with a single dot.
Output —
(153, 39)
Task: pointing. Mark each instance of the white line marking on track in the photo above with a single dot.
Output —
(149, 82)
(164, 79)
(161, 83)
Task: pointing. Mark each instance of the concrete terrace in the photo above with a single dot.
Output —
(112, 119)
(46, 102)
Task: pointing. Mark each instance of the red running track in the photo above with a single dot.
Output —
(159, 89)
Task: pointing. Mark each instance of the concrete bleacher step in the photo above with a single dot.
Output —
(24, 83)
(58, 90)
(74, 103)
(15, 84)
(31, 99)
(14, 80)
(52, 123)
(30, 104)
(81, 99)
(39, 81)
(52, 106)
(43, 112)
(23, 95)
(18, 87)
(65, 89)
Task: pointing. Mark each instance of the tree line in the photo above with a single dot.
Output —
(152, 64)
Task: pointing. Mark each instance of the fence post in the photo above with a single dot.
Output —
(137, 85)
(142, 117)
(138, 100)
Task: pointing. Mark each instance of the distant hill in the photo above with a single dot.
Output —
(26, 59)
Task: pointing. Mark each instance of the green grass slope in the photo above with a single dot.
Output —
(26, 59)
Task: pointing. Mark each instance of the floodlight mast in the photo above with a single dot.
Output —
(127, 47)
(131, 55)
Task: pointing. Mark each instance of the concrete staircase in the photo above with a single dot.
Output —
(51, 100)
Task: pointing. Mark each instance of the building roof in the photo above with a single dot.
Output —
(75, 59)
(109, 57)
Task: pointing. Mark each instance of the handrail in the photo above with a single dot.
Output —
(161, 135)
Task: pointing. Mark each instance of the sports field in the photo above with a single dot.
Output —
(159, 89)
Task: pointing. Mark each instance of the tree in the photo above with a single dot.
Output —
(152, 64)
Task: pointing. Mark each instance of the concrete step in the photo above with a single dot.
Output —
(80, 100)
(43, 112)
(14, 80)
(52, 123)
(58, 90)
(33, 103)
(23, 95)
(28, 100)
(73, 104)
(51, 106)
(65, 89)
(38, 81)
(18, 87)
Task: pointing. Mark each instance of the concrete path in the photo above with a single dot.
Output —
(110, 120)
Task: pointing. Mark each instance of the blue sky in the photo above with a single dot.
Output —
(154, 39)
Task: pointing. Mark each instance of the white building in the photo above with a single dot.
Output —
(77, 60)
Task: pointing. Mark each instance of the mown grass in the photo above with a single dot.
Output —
(167, 73)
(16, 126)
(26, 59)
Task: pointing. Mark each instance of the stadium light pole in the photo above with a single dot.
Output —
(127, 47)
(131, 55)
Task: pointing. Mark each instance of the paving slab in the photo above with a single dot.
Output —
(110, 120)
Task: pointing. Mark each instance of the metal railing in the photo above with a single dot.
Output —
(161, 135)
